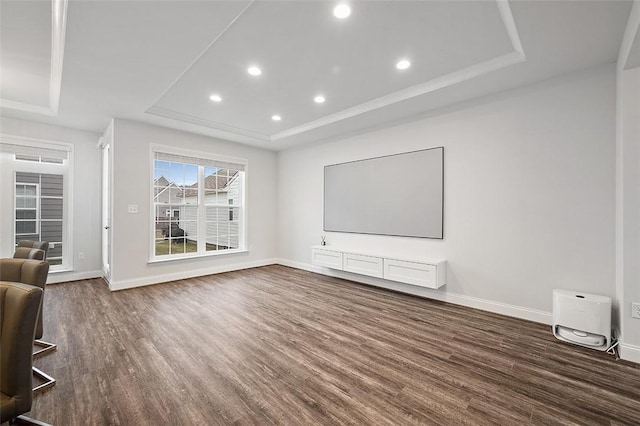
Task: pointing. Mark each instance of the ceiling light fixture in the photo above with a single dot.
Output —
(403, 64)
(276, 117)
(255, 71)
(342, 11)
(215, 98)
(319, 99)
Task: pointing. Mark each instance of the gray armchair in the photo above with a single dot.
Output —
(19, 307)
(18, 270)
(36, 250)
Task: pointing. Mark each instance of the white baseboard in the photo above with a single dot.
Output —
(458, 299)
(298, 265)
(629, 352)
(156, 279)
(64, 277)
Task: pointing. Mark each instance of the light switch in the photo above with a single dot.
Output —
(132, 208)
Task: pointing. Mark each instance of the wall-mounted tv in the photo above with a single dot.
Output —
(400, 195)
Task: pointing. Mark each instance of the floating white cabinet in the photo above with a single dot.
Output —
(422, 274)
(363, 265)
(430, 274)
(327, 258)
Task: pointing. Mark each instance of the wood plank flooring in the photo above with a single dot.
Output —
(275, 345)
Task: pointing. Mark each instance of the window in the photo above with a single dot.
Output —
(26, 209)
(173, 213)
(191, 203)
(36, 177)
(38, 159)
(39, 211)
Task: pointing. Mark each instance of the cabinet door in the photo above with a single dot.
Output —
(421, 274)
(326, 258)
(363, 265)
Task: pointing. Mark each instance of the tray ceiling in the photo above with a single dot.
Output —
(349, 61)
(160, 61)
(32, 45)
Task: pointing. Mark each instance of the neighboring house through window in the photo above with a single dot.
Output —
(37, 174)
(39, 211)
(198, 205)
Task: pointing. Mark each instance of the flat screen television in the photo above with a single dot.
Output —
(400, 195)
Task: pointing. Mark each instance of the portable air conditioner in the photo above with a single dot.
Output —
(583, 319)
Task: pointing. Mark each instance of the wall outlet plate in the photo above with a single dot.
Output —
(132, 208)
(635, 310)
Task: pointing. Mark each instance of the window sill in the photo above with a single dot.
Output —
(61, 271)
(195, 256)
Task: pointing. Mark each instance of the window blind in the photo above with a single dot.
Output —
(59, 152)
(206, 162)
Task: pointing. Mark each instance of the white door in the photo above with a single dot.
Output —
(106, 212)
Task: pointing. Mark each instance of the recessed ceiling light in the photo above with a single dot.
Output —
(276, 117)
(319, 99)
(253, 70)
(342, 11)
(215, 98)
(403, 64)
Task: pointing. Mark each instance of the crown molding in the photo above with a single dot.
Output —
(198, 121)
(35, 142)
(24, 107)
(195, 61)
(58, 31)
(514, 57)
(510, 26)
(632, 28)
(408, 93)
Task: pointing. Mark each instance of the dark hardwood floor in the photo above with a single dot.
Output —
(275, 345)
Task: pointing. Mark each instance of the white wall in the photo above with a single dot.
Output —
(131, 185)
(628, 188)
(87, 203)
(529, 195)
(630, 113)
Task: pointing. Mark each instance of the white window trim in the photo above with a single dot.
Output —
(66, 170)
(153, 148)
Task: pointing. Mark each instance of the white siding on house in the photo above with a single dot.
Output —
(50, 215)
(233, 198)
(220, 231)
(189, 222)
(168, 195)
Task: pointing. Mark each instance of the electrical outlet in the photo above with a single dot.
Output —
(635, 310)
(81, 255)
(132, 208)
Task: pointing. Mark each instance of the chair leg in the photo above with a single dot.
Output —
(24, 420)
(48, 380)
(47, 347)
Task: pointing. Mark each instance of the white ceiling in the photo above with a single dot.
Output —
(25, 57)
(158, 62)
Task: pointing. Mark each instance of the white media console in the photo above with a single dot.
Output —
(423, 273)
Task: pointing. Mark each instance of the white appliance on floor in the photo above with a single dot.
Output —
(582, 318)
